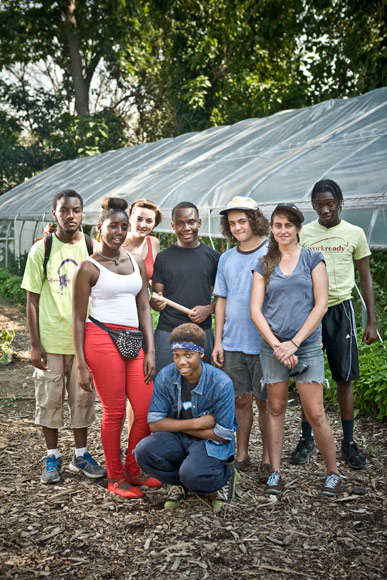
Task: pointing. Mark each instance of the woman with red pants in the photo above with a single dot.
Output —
(116, 283)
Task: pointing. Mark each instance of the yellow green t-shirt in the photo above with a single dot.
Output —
(55, 307)
(340, 246)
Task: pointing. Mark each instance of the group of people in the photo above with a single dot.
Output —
(280, 295)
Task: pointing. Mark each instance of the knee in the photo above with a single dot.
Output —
(315, 416)
(276, 408)
(243, 402)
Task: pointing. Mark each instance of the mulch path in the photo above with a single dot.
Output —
(77, 528)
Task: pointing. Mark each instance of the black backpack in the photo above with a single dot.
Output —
(48, 246)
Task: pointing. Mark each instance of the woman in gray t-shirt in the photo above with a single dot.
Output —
(288, 301)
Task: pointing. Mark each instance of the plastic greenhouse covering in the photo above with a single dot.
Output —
(271, 159)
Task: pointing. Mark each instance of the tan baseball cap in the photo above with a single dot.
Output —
(240, 203)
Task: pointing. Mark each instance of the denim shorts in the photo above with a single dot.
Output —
(276, 372)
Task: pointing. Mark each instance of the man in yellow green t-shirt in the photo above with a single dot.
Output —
(49, 316)
(343, 245)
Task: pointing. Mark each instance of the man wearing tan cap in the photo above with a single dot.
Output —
(237, 342)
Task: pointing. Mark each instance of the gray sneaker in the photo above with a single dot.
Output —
(88, 466)
(52, 469)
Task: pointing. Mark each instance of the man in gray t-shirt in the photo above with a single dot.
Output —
(237, 341)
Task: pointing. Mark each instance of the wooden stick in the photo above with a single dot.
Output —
(173, 304)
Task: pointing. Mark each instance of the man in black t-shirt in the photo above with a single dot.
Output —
(185, 273)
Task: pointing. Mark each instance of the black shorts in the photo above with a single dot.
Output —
(340, 342)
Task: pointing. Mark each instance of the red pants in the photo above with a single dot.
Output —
(115, 378)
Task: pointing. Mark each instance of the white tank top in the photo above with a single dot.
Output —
(113, 297)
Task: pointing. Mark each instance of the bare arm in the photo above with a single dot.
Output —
(145, 320)
(367, 290)
(38, 354)
(220, 318)
(82, 283)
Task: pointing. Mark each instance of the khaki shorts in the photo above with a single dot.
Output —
(50, 387)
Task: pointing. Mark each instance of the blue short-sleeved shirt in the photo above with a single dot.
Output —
(214, 394)
(233, 282)
(290, 297)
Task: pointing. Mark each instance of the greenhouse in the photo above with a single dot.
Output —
(271, 159)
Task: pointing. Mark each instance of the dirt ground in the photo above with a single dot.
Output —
(77, 528)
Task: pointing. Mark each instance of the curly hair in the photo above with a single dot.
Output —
(273, 256)
(110, 205)
(147, 204)
(188, 332)
(259, 224)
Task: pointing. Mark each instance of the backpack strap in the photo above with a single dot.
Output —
(48, 245)
(89, 244)
(47, 251)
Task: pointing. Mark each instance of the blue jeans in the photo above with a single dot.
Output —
(179, 459)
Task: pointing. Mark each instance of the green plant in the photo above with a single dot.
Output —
(10, 400)
(6, 338)
(10, 287)
(370, 390)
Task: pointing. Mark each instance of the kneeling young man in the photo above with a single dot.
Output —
(192, 420)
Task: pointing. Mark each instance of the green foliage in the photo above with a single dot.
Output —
(6, 338)
(371, 388)
(10, 287)
(370, 391)
(378, 265)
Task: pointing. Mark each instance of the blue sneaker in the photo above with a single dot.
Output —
(52, 469)
(87, 465)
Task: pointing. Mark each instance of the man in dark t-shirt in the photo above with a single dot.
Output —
(185, 273)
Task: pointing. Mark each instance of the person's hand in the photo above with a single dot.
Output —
(205, 422)
(218, 355)
(149, 367)
(200, 313)
(157, 302)
(291, 361)
(38, 357)
(284, 350)
(370, 334)
(85, 379)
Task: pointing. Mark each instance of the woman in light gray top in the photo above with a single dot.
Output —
(294, 282)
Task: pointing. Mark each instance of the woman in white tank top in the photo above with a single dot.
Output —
(114, 282)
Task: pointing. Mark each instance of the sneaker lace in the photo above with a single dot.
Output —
(274, 478)
(50, 463)
(176, 493)
(223, 492)
(90, 459)
(332, 480)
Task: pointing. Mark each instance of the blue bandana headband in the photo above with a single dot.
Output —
(187, 346)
